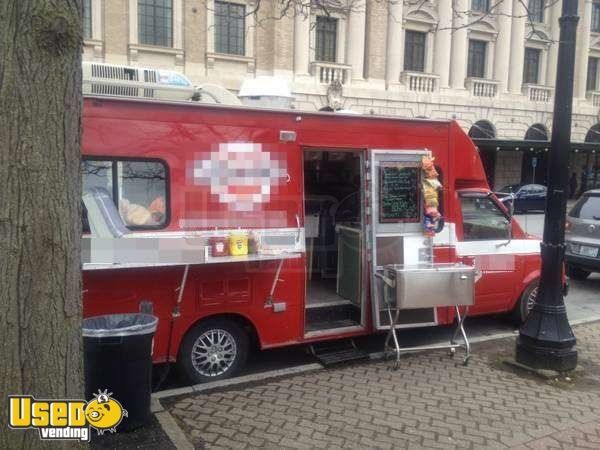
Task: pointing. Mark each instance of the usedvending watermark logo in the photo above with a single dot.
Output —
(65, 419)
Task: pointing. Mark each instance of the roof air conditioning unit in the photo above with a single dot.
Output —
(266, 92)
(137, 82)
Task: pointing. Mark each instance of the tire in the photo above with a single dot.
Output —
(525, 303)
(228, 344)
(576, 273)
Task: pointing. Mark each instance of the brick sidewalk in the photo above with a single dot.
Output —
(432, 401)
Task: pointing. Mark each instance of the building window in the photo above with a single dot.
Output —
(414, 51)
(326, 39)
(87, 19)
(476, 63)
(230, 26)
(592, 74)
(155, 22)
(137, 188)
(595, 27)
(531, 66)
(480, 5)
(536, 10)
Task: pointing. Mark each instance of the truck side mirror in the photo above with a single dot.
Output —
(509, 203)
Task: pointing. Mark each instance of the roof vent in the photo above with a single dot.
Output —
(212, 93)
(138, 82)
(266, 92)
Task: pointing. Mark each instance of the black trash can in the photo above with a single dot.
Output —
(118, 357)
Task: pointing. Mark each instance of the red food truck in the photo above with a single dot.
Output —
(284, 218)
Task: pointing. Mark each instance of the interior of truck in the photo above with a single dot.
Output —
(334, 239)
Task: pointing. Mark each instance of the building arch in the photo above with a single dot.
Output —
(537, 132)
(482, 129)
(422, 13)
(593, 134)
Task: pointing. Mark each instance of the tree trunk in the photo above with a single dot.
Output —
(40, 212)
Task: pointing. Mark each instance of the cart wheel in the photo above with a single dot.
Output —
(452, 352)
(466, 361)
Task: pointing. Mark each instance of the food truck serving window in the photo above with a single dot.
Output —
(138, 188)
(399, 193)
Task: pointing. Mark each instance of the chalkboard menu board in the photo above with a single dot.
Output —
(399, 192)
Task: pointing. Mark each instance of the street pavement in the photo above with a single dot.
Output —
(432, 401)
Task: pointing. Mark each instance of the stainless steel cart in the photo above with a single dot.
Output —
(427, 286)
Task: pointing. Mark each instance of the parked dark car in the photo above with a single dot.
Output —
(528, 197)
(582, 236)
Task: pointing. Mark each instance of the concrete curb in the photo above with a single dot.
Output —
(238, 380)
(586, 320)
(173, 431)
(169, 425)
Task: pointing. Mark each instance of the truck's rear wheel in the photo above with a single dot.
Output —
(213, 350)
(525, 303)
(576, 273)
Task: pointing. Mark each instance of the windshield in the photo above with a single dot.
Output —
(587, 207)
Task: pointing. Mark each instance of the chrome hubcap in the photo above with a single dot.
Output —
(214, 352)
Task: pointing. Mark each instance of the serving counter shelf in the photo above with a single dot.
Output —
(200, 260)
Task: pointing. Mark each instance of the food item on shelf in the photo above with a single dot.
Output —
(238, 244)
(219, 246)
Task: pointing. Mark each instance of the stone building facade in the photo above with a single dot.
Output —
(489, 65)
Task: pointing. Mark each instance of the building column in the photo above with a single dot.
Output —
(517, 47)
(489, 63)
(555, 13)
(116, 31)
(583, 47)
(301, 42)
(502, 48)
(459, 48)
(443, 40)
(395, 42)
(355, 55)
(429, 43)
(543, 76)
(133, 21)
(97, 20)
(177, 31)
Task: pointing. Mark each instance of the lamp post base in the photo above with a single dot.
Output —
(546, 340)
(538, 357)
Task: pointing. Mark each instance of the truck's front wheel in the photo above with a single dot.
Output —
(525, 303)
(213, 350)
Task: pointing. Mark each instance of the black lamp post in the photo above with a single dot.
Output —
(546, 340)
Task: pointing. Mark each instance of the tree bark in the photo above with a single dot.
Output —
(40, 198)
